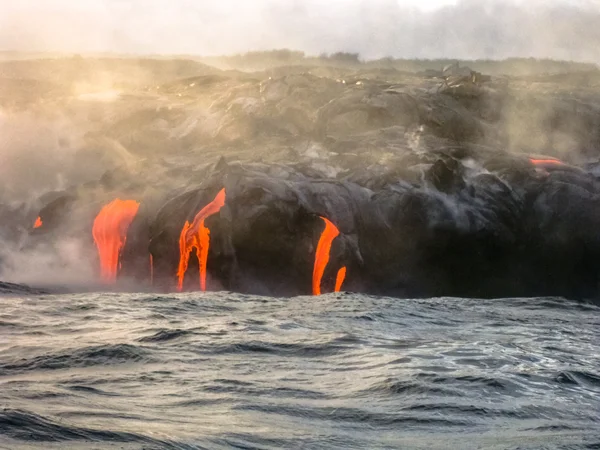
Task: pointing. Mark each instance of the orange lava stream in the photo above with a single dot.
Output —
(546, 161)
(110, 232)
(151, 270)
(38, 222)
(322, 255)
(197, 236)
(339, 279)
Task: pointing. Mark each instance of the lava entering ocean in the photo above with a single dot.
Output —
(322, 258)
(476, 189)
(110, 233)
(339, 279)
(196, 235)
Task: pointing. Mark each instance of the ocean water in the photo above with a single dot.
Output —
(339, 371)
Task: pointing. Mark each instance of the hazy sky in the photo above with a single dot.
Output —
(375, 28)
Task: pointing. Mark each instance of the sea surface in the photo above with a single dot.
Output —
(340, 371)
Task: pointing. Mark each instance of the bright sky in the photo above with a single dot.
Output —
(375, 28)
(427, 5)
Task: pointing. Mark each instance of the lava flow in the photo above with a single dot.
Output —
(110, 232)
(339, 279)
(322, 258)
(38, 222)
(546, 161)
(196, 235)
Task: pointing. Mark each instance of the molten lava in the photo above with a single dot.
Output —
(38, 222)
(110, 232)
(197, 236)
(322, 258)
(546, 161)
(339, 279)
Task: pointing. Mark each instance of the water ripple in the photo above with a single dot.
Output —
(346, 371)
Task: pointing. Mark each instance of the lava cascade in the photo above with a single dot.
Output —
(197, 236)
(339, 279)
(322, 258)
(110, 233)
(38, 222)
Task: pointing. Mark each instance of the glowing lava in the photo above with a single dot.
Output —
(197, 236)
(339, 279)
(110, 232)
(38, 222)
(546, 161)
(322, 258)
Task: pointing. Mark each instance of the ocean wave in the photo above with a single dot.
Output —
(223, 372)
(26, 426)
(300, 350)
(83, 357)
(166, 335)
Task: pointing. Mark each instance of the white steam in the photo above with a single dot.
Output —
(464, 29)
(64, 262)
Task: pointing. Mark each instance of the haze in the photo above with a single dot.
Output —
(408, 29)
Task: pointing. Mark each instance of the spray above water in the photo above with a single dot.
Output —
(322, 258)
(110, 233)
(197, 236)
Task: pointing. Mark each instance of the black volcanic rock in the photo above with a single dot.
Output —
(435, 189)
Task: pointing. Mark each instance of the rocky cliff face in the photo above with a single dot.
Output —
(466, 186)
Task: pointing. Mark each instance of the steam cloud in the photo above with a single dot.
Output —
(464, 29)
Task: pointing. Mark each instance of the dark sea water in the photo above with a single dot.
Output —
(221, 370)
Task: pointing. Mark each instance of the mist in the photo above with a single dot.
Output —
(466, 29)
